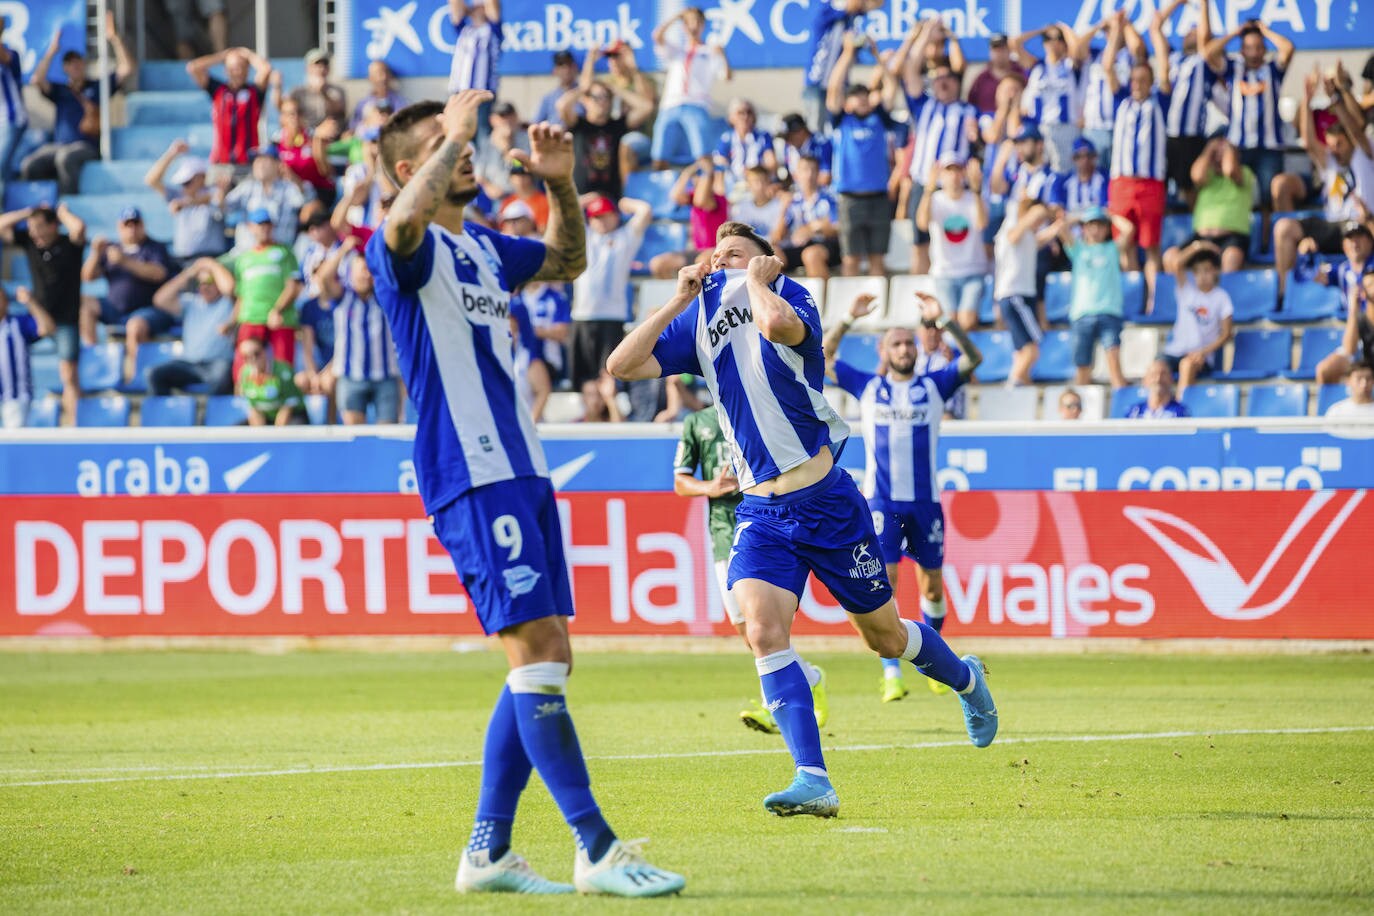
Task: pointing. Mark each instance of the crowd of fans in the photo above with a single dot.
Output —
(1064, 152)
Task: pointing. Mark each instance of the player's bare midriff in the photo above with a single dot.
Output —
(813, 470)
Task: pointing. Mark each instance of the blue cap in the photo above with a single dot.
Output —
(268, 151)
(371, 133)
(1095, 215)
(130, 215)
(260, 215)
(1084, 145)
(1029, 131)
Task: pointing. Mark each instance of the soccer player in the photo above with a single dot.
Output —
(755, 336)
(445, 286)
(704, 446)
(901, 413)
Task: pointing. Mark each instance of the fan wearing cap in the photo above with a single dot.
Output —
(264, 189)
(135, 266)
(266, 280)
(317, 99)
(1086, 185)
(953, 213)
(1096, 309)
(1354, 277)
(235, 103)
(982, 93)
(197, 223)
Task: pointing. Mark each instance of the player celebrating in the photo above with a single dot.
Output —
(901, 415)
(756, 338)
(704, 445)
(445, 287)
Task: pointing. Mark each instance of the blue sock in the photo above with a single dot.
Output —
(505, 772)
(547, 733)
(933, 613)
(892, 667)
(789, 699)
(933, 657)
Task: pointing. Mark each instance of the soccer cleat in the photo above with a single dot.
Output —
(894, 688)
(510, 874)
(808, 794)
(819, 699)
(980, 713)
(759, 719)
(623, 872)
(936, 687)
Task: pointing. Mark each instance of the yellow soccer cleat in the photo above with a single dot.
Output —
(820, 699)
(936, 687)
(894, 688)
(758, 718)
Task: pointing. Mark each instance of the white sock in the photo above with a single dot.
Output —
(813, 674)
(933, 609)
(540, 677)
(913, 640)
(776, 662)
(814, 771)
(972, 680)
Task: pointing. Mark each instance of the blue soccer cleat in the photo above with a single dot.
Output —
(623, 872)
(980, 713)
(808, 794)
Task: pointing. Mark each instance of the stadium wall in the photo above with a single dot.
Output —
(1212, 529)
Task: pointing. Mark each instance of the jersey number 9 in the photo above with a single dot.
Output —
(506, 531)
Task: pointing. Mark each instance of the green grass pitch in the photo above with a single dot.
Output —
(127, 785)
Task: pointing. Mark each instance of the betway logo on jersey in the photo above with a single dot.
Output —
(477, 300)
(727, 319)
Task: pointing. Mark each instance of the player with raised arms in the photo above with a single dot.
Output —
(445, 286)
(756, 338)
(900, 413)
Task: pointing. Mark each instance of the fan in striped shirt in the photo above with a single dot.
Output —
(364, 371)
(1255, 82)
(1194, 84)
(16, 333)
(14, 116)
(476, 53)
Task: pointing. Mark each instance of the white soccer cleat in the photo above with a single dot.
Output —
(623, 872)
(510, 874)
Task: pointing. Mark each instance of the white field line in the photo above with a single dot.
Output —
(688, 755)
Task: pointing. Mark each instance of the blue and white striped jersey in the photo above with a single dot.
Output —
(1075, 193)
(940, 128)
(827, 42)
(476, 54)
(901, 424)
(1193, 85)
(745, 152)
(1099, 104)
(363, 350)
(1051, 95)
(1254, 111)
(16, 333)
(449, 309)
(823, 205)
(1348, 280)
(815, 146)
(1033, 182)
(1139, 135)
(769, 395)
(12, 109)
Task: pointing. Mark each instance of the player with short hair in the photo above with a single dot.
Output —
(445, 286)
(755, 336)
(901, 413)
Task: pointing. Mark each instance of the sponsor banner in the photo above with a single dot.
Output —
(1137, 564)
(1129, 457)
(29, 29)
(416, 37)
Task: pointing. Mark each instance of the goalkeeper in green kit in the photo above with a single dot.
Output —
(706, 448)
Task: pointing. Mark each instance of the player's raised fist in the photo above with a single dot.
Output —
(764, 268)
(459, 117)
(551, 151)
(689, 280)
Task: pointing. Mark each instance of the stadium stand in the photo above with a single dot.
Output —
(998, 403)
(1259, 353)
(1277, 401)
(996, 347)
(1056, 358)
(1317, 344)
(171, 410)
(1123, 398)
(225, 410)
(1212, 400)
(1328, 395)
(105, 411)
(43, 413)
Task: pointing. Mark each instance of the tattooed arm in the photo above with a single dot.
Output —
(565, 238)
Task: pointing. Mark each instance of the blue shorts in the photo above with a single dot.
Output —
(354, 395)
(1018, 313)
(916, 529)
(1091, 330)
(824, 528)
(68, 340)
(507, 545)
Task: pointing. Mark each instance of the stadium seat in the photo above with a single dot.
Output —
(107, 411)
(1212, 400)
(1328, 395)
(902, 308)
(100, 367)
(1055, 363)
(563, 407)
(652, 294)
(996, 347)
(998, 402)
(860, 351)
(1261, 248)
(1317, 345)
(654, 188)
(1058, 296)
(226, 410)
(1166, 303)
(1094, 398)
(898, 257)
(1253, 293)
(175, 410)
(101, 212)
(1125, 398)
(317, 408)
(22, 194)
(1176, 230)
(115, 176)
(43, 370)
(1278, 401)
(1132, 293)
(44, 413)
(153, 353)
(1139, 347)
(168, 75)
(987, 306)
(1307, 300)
(143, 142)
(187, 106)
(660, 238)
(840, 293)
(1259, 353)
(19, 271)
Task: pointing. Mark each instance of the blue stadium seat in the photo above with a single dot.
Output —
(654, 187)
(1317, 345)
(225, 410)
(101, 213)
(1261, 353)
(100, 367)
(21, 194)
(1177, 230)
(1123, 399)
(43, 371)
(1058, 296)
(19, 271)
(1278, 401)
(1253, 293)
(176, 410)
(1328, 395)
(317, 408)
(100, 176)
(151, 142)
(1307, 300)
(996, 347)
(411, 416)
(169, 76)
(861, 351)
(1055, 363)
(108, 411)
(149, 355)
(187, 106)
(1166, 303)
(44, 412)
(1212, 400)
(661, 238)
(1132, 293)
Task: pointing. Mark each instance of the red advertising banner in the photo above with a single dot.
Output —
(1143, 564)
